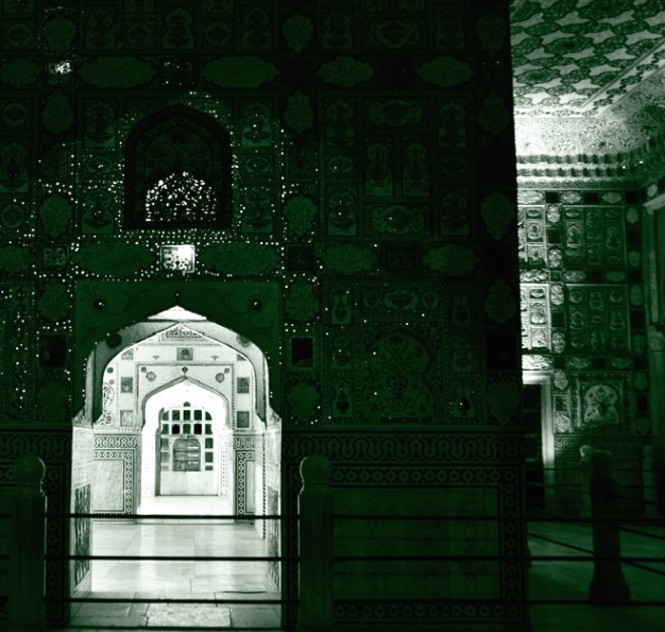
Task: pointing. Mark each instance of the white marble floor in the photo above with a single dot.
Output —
(566, 580)
(165, 580)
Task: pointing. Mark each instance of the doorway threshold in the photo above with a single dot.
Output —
(186, 506)
(165, 615)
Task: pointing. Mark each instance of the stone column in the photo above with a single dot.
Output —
(28, 546)
(316, 546)
(650, 493)
(608, 584)
(585, 478)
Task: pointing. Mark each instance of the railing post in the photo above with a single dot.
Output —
(650, 493)
(608, 584)
(316, 546)
(28, 546)
(585, 475)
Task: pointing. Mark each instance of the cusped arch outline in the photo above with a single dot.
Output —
(125, 319)
(194, 382)
(103, 352)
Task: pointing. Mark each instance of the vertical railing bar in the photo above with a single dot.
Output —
(608, 584)
(28, 548)
(316, 546)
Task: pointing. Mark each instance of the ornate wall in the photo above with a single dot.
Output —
(366, 243)
(583, 324)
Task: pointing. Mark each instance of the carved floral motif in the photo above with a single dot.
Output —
(57, 115)
(349, 259)
(239, 72)
(345, 72)
(240, 258)
(498, 213)
(15, 258)
(54, 302)
(451, 259)
(116, 72)
(55, 213)
(298, 114)
(494, 116)
(394, 378)
(303, 399)
(113, 258)
(298, 32)
(445, 72)
(300, 211)
(301, 302)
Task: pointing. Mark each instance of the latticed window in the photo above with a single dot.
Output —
(182, 198)
(182, 427)
(178, 171)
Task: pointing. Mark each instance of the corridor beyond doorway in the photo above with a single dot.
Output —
(163, 580)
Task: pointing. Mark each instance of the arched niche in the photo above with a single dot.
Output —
(178, 171)
(184, 387)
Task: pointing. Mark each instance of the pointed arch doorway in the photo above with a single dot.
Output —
(179, 412)
(187, 458)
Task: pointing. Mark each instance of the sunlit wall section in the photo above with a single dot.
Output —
(583, 328)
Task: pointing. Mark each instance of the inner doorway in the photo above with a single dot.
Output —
(186, 449)
(185, 430)
(539, 441)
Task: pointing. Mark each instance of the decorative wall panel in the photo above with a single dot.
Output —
(581, 300)
(121, 489)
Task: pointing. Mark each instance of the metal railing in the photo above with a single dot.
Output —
(317, 559)
(600, 513)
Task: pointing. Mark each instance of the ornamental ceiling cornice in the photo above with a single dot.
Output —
(589, 88)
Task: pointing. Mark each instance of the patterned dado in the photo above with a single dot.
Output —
(628, 454)
(411, 474)
(82, 532)
(116, 455)
(243, 457)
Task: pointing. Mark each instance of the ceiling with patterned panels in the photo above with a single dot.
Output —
(588, 75)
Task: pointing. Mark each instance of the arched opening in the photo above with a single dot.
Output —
(183, 429)
(178, 171)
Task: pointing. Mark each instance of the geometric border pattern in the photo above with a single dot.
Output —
(122, 448)
(242, 458)
(243, 446)
(505, 481)
(225, 452)
(403, 446)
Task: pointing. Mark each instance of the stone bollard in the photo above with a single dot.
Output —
(28, 542)
(649, 484)
(316, 546)
(585, 477)
(608, 584)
